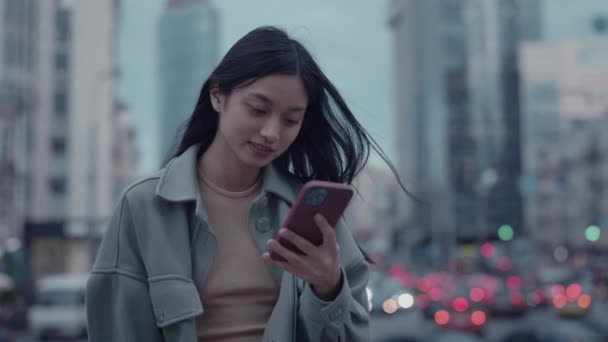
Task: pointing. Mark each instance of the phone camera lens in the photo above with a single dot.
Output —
(315, 197)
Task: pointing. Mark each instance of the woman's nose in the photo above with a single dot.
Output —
(270, 130)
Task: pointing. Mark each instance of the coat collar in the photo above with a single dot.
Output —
(178, 180)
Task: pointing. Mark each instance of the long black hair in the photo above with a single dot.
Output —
(331, 145)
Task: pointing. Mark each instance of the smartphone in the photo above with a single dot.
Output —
(327, 198)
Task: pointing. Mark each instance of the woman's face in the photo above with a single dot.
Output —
(258, 122)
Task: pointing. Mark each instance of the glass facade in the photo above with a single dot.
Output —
(188, 44)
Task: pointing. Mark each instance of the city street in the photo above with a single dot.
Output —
(544, 322)
(412, 326)
(165, 139)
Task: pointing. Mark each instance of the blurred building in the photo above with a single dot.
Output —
(18, 40)
(188, 52)
(71, 155)
(458, 114)
(377, 211)
(76, 130)
(125, 157)
(565, 104)
(570, 193)
(431, 115)
(495, 29)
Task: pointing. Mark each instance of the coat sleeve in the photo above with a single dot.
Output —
(118, 305)
(124, 304)
(346, 318)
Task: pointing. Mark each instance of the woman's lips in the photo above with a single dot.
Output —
(261, 150)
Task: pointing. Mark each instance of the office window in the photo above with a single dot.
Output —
(62, 61)
(61, 103)
(58, 186)
(59, 146)
(63, 25)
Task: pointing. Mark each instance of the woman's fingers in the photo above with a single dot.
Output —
(289, 256)
(301, 243)
(328, 232)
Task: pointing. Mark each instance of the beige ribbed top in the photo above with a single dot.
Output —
(240, 292)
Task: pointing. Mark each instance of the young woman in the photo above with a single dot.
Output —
(185, 256)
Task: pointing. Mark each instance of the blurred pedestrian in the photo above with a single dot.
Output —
(185, 256)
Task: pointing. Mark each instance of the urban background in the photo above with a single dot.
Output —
(495, 113)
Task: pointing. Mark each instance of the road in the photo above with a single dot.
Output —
(544, 322)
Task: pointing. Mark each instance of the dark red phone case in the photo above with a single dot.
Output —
(301, 216)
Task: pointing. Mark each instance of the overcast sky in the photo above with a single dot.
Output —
(350, 39)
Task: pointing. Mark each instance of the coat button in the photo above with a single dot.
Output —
(263, 224)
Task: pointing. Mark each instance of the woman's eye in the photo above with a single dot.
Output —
(291, 122)
(258, 111)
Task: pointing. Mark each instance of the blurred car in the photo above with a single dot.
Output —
(431, 289)
(458, 312)
(13, 309)
(387, 296)
(570, 294)
(549, 276)
(571, 300)
(59, 308)
(507, 301)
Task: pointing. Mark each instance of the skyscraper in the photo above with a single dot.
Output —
(457, 115)
(496, 28)
(188, 51)
(431, 116)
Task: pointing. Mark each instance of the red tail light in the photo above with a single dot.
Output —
(478, 317)
(477, 294)
(442, 317)
(557, 290)
(514, 282)
(460, 304)
(573, 291)
(584, 301)
(560, 301)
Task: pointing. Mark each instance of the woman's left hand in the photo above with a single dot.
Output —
(319, 265)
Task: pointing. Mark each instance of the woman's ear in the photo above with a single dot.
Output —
(217, 99)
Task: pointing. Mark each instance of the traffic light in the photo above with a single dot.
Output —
(592, 233)
(505, 232)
